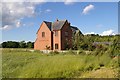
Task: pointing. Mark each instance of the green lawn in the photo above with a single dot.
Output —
(21, 63)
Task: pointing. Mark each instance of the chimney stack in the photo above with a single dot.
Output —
(57, 19)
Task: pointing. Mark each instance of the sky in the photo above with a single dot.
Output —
(21, 20)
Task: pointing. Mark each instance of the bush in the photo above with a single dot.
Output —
(89, 67)
(56, 52)
(70, 51)
(80, 52)
(104, 60)
(96, 52)
(53, 52)
(91, 48)
(114, 63)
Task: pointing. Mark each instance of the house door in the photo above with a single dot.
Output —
(56, 46)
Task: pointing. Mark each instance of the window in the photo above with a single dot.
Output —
(43, 34)
(66, 33)
(56, 46)
(56, 33)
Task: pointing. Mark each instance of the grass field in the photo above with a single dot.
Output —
(22, 63)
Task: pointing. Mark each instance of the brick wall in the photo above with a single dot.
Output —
(42, 42)
(66, 38)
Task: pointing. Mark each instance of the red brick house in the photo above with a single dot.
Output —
(54, 35)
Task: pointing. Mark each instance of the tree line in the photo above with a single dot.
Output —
(86, 42)
(14, 44)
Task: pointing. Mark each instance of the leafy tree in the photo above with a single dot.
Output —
(0, 45)
(10, 44)
(22, 44)
(115, 47)
(77, 40)
(14, 44)
(30, 44)
(4, 44)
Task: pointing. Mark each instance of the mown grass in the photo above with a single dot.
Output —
(22, 63)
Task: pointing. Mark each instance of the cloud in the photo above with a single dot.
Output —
(6, 27)
(104, 33)
(108, 32)
(87, 9)
(48, 10)
(18, 24)
(90, 33)
(69, 2)
(14, 12)
(25, 1)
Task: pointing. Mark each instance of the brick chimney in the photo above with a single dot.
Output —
(57, 19)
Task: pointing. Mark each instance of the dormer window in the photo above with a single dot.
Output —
(43, 34)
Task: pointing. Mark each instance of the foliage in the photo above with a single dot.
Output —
(22, 44)
(53, 52)
(30, 44)
(86, 42)
(10, 44)
(80, 52)
(14, 44)
(22, 63)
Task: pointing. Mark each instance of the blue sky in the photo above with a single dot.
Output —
(20, 21)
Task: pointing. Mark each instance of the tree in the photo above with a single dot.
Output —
(14, 44)
(22, 44)
(0, 45)
(30, 44)
(10, 44)
(77, 40)
(115, 47)
(4, 44)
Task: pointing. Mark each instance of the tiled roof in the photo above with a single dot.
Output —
(49, 24)
(75, 30)
(58, 24)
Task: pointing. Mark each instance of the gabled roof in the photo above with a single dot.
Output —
(49, 24)
(58, 24)
(75, 30)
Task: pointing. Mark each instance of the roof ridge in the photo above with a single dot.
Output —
(47, 21)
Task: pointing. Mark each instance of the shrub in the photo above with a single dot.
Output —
(89, 67)
(114, 63)
(80, 52)
(70, 51)
(91, 47)
(96, 52)
(56, 52)
(38, 51)
(104, 60)
(53, 52)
